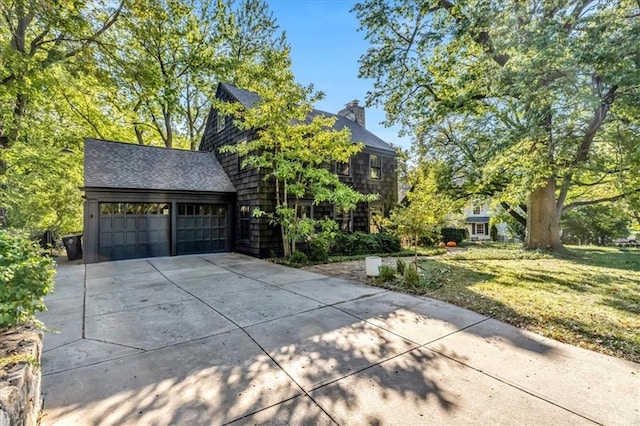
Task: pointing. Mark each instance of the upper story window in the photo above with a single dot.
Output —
(477, 209)
(343, 169)
(222, 122)
(375, 166)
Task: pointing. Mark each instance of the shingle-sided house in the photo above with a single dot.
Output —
(143, 201)
(373, 170)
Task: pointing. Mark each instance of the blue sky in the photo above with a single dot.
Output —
(325, 48)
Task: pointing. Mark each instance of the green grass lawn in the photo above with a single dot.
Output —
(589, 298)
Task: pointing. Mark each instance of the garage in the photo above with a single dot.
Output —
(143, 201)
(202, 228)
(134, 230)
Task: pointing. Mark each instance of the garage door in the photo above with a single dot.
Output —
(202, 228)
(134, 230)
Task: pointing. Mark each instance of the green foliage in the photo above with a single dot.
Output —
(353, 243)
(514, 96)
(319, 248)
(387, 274)
(401, 266)
(456, 235)
(299, 257)
(599, 224)
(426, 208)
(26, 276)
(493, 232)
(411, 276)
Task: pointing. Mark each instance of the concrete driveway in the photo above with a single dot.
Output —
(214, 339)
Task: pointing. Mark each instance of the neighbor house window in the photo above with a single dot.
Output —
(375, 166)
(480, 228)
(344, 218)
(245, 223)
(477, 209)
(343, 169)
(221, 122)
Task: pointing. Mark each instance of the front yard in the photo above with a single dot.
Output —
(589, 299)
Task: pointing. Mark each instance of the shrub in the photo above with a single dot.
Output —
(388, 243)
(26, 276)
(401, 266)
(387, 273)
(454, 234)
(493, 232)
(411, 277)
(318, 250)
(360, 243)
(298, 257)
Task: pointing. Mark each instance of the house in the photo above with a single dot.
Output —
(477, 218)
(372, 171)
(144, 201)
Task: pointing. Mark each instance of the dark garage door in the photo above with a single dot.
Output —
(134, 230)
(202, 228)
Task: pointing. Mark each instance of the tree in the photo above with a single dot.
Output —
(425, 210)
(533, 102)
(166, 57)
(595, 224)
(293, 147)
(45, 45)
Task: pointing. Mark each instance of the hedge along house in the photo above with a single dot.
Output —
(144, 201)
(373, 170)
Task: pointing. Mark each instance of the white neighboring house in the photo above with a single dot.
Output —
(476, 220)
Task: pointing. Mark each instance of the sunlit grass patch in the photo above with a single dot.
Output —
(590, 298)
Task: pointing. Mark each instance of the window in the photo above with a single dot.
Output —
(343, 169)
(375, 166)
(245, 223)
(477, 209)
(376, 214)
(480, 228)
(221, 122)
(344, 218)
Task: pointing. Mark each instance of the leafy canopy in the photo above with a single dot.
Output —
(514, 95)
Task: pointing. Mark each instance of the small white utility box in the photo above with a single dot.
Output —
(372, 266)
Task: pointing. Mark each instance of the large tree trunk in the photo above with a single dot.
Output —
(543, 219)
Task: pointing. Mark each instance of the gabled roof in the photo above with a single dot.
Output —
(358, 133)
(131, 166)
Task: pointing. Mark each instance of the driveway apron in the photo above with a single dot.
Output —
(226, 338)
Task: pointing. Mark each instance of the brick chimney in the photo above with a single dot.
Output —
(353, 112)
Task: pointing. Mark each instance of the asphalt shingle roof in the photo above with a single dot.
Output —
(131, 166)
(358, 133)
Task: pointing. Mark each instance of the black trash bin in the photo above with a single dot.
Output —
(73, 245)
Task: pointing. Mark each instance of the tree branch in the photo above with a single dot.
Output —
(599, 200)
(514, 214)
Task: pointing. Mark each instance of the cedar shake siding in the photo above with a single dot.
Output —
(255, 236)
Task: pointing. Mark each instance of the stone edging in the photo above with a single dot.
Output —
(20, 399)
